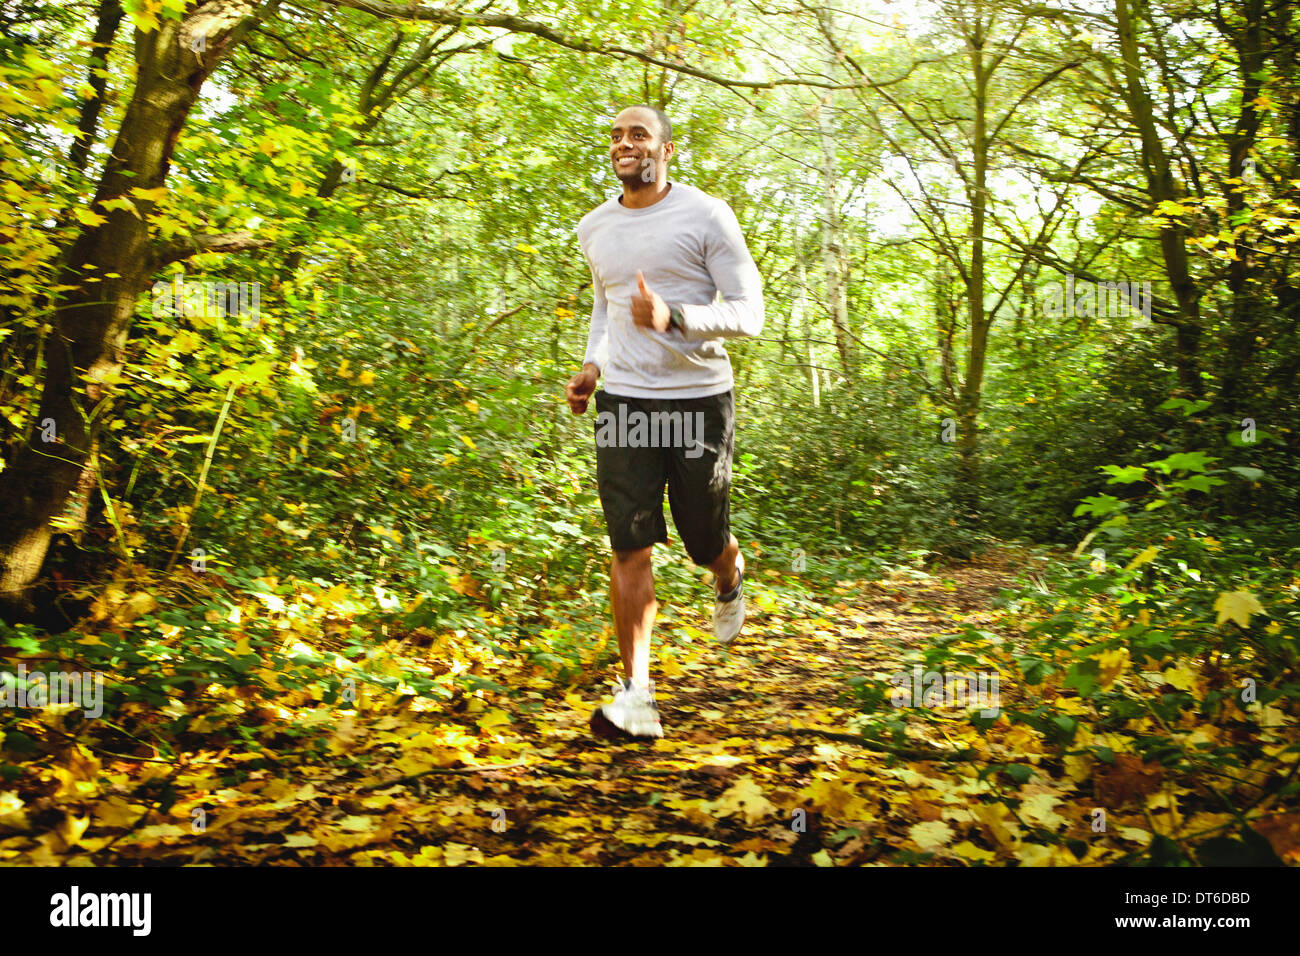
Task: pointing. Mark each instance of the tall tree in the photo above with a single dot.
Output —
(968, 136)
(105, 270)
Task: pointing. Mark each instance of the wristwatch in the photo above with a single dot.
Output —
(676, 318)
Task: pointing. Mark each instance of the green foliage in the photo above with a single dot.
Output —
(1175, 643)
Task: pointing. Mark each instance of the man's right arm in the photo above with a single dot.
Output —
(583, 385)
(598, 335)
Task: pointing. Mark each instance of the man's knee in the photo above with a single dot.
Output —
(723, 555)
(633, 561)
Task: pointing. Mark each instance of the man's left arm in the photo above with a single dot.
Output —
(736, 277)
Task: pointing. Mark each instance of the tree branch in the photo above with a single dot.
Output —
(546, 32)
(178, 249)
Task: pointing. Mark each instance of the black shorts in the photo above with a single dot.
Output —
(643, 444)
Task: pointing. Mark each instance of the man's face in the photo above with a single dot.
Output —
(636, 149)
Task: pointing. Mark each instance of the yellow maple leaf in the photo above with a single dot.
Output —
(1237, 606)
(88, 218)
(334, 596)
(969, 851)
(78, 774)
(744, 797)
(116, 811)
(997, 820)
(149, 195)
(1038, 808)
(669, 667)
(419, 761)
(1135, 834)
(1183, 676)
(931, 835)
(1111, 664)
(831, 795)
(493, 718)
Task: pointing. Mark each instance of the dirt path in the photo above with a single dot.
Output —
(750, 772)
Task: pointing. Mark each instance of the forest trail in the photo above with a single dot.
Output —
(302, 551)
(758, 765)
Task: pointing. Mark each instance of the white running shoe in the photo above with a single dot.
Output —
(632, 711)
(729, 609)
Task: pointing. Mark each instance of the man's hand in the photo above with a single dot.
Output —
(580, 387)
(648, 309)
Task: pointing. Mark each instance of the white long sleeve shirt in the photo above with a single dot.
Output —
(690, 249)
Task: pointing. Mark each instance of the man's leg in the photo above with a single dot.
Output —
(632, 593)
(631, 483)
(724, 568)
(633, 710)
(699, 492)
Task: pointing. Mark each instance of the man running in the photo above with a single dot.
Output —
(660, 255)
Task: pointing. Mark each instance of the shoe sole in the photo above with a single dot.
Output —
(602, 726)
(605, 728)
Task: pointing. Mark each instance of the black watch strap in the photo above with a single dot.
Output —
(676, 318)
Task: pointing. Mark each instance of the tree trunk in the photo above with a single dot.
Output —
(968, 404)
(108, 18)
(802, 317)
(1247, 308)
(833, 241)
(1162, 186)
(945, 320)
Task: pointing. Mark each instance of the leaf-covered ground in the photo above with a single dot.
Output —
(760, 766)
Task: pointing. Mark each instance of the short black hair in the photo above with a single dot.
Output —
(665, 124)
